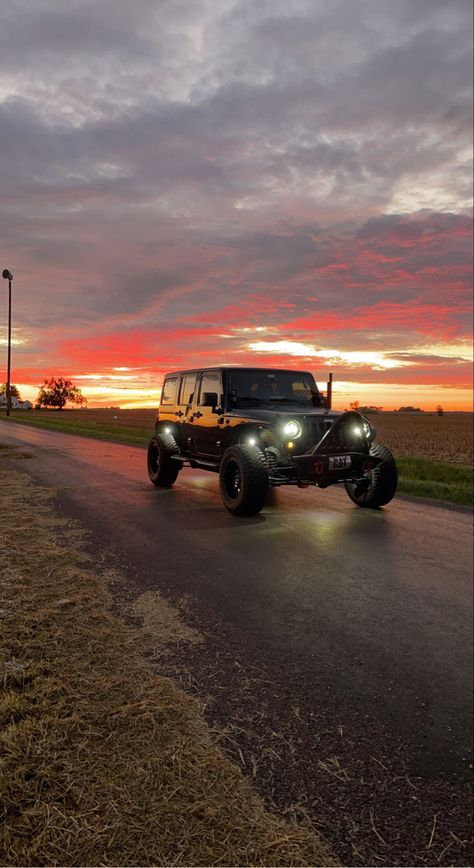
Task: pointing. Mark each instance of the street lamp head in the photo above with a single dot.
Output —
(7, 274)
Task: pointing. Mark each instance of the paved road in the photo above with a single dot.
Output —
(358, 622)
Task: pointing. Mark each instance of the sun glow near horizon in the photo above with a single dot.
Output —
(103, 389)
(390, 397)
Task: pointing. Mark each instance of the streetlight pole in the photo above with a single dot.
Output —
(7, 275)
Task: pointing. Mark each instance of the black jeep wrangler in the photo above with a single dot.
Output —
(257, 427)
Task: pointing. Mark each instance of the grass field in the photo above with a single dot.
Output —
(434, 453)
(122, 426)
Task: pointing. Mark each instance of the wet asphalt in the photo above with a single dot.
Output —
(345, 633)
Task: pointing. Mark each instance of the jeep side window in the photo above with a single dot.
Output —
(186, 393)
(210, 382)
(170, 390)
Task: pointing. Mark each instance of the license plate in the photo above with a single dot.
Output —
(339, 462)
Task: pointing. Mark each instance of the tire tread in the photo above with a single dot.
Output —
(254, 475)
(169, 469)
(384, 481)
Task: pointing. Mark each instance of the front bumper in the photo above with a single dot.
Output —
(341, 455)
(321, 469)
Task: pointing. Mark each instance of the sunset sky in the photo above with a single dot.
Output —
(276, 182)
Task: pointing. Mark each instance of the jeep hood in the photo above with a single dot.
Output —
(262, 414)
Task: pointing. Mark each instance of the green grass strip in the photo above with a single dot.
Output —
(114, 433)
(437, 480)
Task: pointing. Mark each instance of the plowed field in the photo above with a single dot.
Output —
(441, 438)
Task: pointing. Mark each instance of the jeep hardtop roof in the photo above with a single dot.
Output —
(234, 368)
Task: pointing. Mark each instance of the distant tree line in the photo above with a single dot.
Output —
(410, 409)
(364, 408)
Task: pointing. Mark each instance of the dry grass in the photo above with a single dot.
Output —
(103, 762)
(162, 620)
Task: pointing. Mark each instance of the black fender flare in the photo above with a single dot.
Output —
(233, 436)
(170, 429)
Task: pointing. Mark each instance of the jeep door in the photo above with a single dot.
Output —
(206, 429)
(187, 391)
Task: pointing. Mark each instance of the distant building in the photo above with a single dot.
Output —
(15, 403)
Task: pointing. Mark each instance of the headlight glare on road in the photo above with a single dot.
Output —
(292, 429)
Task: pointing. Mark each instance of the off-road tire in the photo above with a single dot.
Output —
(162, 468)
(382, 484)
(243, 480)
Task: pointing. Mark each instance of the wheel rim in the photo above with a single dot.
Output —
(154, 459)
(359, 490)
(232, 480)
(363, 485)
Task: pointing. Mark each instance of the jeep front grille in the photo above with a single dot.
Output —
(319, 427)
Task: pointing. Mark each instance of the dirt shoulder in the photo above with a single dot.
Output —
(105, 762)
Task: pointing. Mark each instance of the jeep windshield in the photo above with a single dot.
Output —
(265, 388)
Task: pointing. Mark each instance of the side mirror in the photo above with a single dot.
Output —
(209, 399)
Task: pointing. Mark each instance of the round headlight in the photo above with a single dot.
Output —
(362, 430)
(292, 429)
